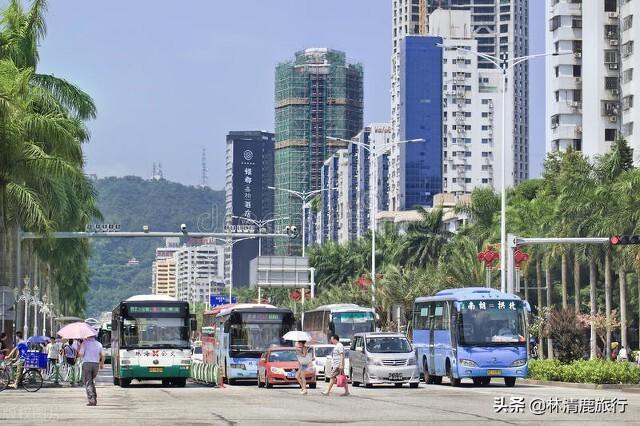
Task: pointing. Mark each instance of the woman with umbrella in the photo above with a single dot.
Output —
(303, 354)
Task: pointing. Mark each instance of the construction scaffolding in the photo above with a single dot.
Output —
(318, 94)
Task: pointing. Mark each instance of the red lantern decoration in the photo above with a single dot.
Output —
(363, 282)
(295, 295)
(488, 257)
(519, 257)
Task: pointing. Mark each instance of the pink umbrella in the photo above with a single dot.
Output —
(77, 330)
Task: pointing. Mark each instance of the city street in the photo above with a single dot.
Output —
(196, 404)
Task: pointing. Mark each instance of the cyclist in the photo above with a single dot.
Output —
(17, 356)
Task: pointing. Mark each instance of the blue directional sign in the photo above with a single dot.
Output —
(217, 300)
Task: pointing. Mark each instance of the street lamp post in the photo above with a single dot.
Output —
(26, 298)
(304, 196)
(505, 65)
(228, 243)
(44, 309)
(382, 149)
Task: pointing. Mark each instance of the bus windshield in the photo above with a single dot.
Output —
(155, 332)
(255, 337)
(491, 323)
(346, 324)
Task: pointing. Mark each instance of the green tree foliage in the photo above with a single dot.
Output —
(133, 202)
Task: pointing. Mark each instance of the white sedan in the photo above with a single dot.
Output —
(320, 354)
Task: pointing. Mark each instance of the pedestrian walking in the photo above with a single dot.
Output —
(92, 355)
(53, 352)
(304, 359)
(337, 365)
(70, 352)
(622, 355)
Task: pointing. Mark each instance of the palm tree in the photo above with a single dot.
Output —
(425, 239)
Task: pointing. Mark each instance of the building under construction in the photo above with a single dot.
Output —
(318, 94)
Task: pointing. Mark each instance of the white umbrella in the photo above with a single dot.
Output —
(297, 336)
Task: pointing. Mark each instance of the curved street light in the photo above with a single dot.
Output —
(505, 65)
(379, 150)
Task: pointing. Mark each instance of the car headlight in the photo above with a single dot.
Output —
(519, 362)
(468, 363)
(373, 361)
(411, 361)
(276, 370)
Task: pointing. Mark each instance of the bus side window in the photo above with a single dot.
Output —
(446, 317)
(437, 316)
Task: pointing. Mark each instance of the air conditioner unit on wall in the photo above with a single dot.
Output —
(613, 42)
(615, 92)
(613, 66)
(613, 15)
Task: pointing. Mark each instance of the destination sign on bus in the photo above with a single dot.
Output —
(260, 316)
(154, 309)
(485, 305)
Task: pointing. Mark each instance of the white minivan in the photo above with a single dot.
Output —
(377, 358)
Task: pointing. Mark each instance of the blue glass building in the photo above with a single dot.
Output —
(421, 117)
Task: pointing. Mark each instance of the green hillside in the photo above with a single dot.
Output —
(133, 202)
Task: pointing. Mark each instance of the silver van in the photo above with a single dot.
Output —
(377, 358)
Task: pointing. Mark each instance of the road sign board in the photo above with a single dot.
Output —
(217, 300)
(279, 271)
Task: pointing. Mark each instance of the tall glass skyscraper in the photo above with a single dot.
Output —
(318, 94)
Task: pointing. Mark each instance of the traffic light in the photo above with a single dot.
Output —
(292, 231)
(623, 240)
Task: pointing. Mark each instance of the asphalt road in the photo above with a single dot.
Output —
(151, 404)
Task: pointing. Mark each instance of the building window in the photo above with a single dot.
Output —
(610, 5)
(486, 140)
(627, 48)
(627, 129)
(576, 23)
(555, 120)
(577, 71)
(627, 102)
(609, 135)
(627, 23)
(610, 56)
(627, 76)
(610, 83)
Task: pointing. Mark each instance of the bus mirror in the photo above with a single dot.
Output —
(193, 323)
(226, 326)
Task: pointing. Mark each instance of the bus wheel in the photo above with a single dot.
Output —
(509, 381)
(477, 381)
(437, 380)
(428, 378)
(166, 382)
(116, 382)
(124, 382)
(486, 381)
(454, 382)
(180, 383)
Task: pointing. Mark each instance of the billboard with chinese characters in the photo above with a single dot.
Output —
(249, 174)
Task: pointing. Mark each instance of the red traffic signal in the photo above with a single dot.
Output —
(621, 240)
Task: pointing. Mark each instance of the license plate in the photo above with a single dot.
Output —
(155, 369)
(395, 376)
(494, 372)
(291, 375)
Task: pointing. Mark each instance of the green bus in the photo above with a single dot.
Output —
(150, 340)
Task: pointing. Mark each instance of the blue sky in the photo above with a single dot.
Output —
(171, 78)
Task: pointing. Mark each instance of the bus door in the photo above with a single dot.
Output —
(431, 346)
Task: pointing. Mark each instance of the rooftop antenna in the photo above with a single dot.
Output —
(205, 178)
(159, 172)
(153, 171)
